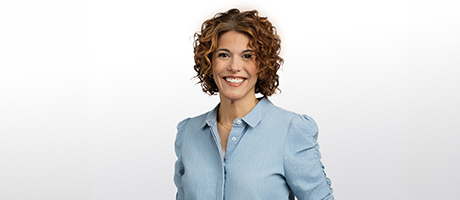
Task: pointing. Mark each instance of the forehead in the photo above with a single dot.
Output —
(233, 40)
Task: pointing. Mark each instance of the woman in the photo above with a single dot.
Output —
(245, 148)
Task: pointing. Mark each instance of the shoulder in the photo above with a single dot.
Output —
(296, 122)
(304, 125)
(196, 121)
(190, 124)
(291, 121)
(294, 118)
(279, 113)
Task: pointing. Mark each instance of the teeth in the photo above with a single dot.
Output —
(234, 80)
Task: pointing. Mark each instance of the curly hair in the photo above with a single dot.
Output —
(263, 39)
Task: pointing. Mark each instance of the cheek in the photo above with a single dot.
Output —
(214, 65)
(214, 71)
(217, 66)
(254, 69)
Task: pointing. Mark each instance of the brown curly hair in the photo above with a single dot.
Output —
(263, 39)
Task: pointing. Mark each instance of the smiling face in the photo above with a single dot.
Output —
(234, 67)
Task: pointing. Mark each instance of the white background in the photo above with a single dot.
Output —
(91, 92)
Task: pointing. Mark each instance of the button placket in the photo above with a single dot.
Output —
(235, 134)
(238, 122)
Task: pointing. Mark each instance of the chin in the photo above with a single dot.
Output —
(233, 96)
(237, 95)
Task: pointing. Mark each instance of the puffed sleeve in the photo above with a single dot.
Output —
(304, 171)
(179, 167)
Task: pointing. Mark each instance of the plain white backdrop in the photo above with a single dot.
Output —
(91, 92)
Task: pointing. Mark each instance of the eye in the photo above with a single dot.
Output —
(247, 56)
(223, 55)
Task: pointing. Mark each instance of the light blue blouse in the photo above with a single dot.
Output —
(271, 154)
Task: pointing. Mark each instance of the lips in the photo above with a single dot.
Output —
(234, 80)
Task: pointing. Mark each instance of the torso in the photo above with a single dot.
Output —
(253, 165)
(223, 135)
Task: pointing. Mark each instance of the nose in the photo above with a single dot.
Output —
(234, 65)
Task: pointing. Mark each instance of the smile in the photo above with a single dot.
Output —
(234, 80)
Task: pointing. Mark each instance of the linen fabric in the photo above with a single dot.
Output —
(271, 153)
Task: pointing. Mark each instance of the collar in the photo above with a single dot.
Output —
(252, 118)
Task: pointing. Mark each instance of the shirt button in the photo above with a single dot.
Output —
(238, 122)
(233, 139)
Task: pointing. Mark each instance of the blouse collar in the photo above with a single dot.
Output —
(252, 118)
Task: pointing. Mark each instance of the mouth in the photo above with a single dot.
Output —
(234, 80)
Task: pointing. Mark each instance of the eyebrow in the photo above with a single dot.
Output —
(245, 51)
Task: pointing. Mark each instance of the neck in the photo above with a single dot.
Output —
(229, 110)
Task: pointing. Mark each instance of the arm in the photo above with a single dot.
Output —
(304, 171)
(179, 167)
